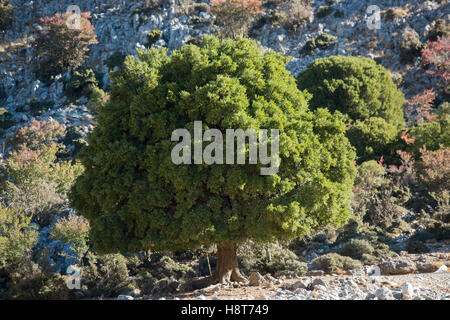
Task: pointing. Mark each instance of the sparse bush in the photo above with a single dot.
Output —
(82, 83)
(270, 258)
(434, 170)
(324, 41)
(6, 17)
(365, 92)
(442, 212)
(115, 60)
(146, 282)
(419, 108)
(60, 47)
(324, 11)
(6, 120)
(394, 13)
(417, 247)
(33, 180)
(37, 135)
(153, 37)
(370, 177)
(17, 238)
(356, 248)
(293, 16)
(439, 29)
(333, 262)
(235, 16)
(410, 45)
(383, 207)
(375, 198)
(28, 281)
(97, 100)
(437, 55)
(39, 107)
(73, 141)
(73, 230)
(163, 266)
(106, 275)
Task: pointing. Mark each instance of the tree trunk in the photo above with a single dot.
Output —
(227, 269)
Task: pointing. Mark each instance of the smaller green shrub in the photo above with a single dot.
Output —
(356, 248)
(434, 170)
(105, 275)
(394, 13)
(97, 100)
(439, 29)
(165, 267)
(82, 83)
(369, 259)
(73, 137)
(332, 262)
(73, 230)
(292, 16)
(417, 247)
(6, 15)
(17, 238)
(145, 281)
(323, 41)
(432, 135)
(115, 60)
(195, 41)
(39, 107)
(373, 138)
(6, 120)
(33, 179)
(270, 258)
(410, 45)
(153, 37)
(324, 11)
(400, 226)
(29, 282)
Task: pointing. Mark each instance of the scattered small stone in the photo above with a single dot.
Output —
(125, 297)
(301, 284)
(256, 279)
(318, 282)
(442, 268)
(407, 291)
(383, 293)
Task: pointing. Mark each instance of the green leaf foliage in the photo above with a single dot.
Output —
(365, 92)
(136, 199)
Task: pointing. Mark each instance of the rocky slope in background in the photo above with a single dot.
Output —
(123, 26)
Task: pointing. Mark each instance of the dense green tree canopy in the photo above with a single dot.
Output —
(135, 197)
(362, 90)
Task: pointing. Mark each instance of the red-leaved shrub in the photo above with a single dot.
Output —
(62, 44)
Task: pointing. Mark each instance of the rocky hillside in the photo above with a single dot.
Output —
(122, 26)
